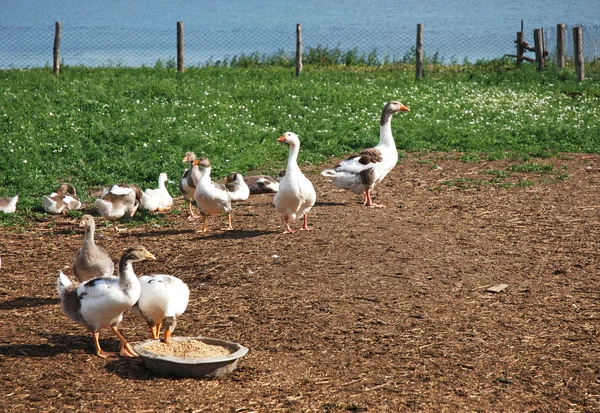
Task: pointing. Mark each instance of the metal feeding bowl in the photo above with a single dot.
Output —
(172, 366)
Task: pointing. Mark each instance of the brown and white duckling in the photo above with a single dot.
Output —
(262, 184)
(118, 200)
(163, 299)
(237, 187)
(100, 302)
(359, 173)
(62, 201)
(9, 205)
(91, 261)
(211, 197)
(188, 182)
(296, 195)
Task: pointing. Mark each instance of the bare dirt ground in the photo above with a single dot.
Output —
(379, 310)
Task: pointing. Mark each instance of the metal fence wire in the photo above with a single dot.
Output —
(28, 47)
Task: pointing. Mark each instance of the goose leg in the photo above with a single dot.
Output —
(229, 227)
(117, 229)
(369, 201)
(204, 227)
(126, 348)
(191, 215)
(99, 351)
(287, 226)
(154, 331)
(305, 225)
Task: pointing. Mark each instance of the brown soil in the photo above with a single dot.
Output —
(380, 310)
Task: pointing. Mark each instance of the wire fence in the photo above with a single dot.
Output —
(28, 47)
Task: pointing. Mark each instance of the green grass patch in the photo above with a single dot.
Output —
(94, 127)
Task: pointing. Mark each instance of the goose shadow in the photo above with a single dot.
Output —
(58, 344)
(235, 234)
(28, 302)
(322, 203)
(155, 233)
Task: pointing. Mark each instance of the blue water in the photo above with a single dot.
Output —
(140, 32)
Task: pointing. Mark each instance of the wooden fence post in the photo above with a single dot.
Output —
(56, 49)
(539, 49)
(298, 49)
(419, 51)
(578, 51)
(520, 49)
(560, 46)
(180, 51)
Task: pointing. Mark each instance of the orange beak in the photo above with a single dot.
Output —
(404, 108)
(196, 162)
(185, 159)
(281, 138)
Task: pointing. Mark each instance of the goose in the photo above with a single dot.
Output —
(188, 182)
(163, 299)
(9, 205)
(91, 261)
(280, 175)
(261, 184)
(211, 197)
(296, 195)
(118, 200)
(61, 201)
(237, 187)
(100, 302)
(158, 199)
(359, 173)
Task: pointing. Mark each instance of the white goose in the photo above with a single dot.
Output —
(163, 299)
(9, 205)
(211, 197)
(61, 201)
(100, 302)
(159, 199)
(359, 173)
(296, 195)
(188, 182)
(237, 187)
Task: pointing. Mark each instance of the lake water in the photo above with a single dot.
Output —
(139, 32)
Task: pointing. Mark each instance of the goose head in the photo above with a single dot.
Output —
(281, 175)
(202, 162)
(234, 177)
(163, 177)
(390, 108)
(290, 138)
(189, 157)
(66, 189)
(137, 253)
(87, 221)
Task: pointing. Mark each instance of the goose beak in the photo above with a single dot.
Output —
(404, 108)
(150, 256)
(196, 162)
(185, 159)
(281, 138)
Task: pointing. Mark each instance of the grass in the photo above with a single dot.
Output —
(93, 127)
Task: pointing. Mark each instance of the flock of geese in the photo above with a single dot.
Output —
(99, 298)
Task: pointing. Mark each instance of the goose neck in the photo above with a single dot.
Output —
(385, 134)
(292, 163)
(88, 238)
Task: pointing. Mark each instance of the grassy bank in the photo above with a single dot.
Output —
(99, 126)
